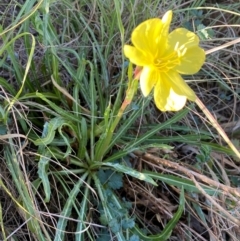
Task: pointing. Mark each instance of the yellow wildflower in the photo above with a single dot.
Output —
(163, 56)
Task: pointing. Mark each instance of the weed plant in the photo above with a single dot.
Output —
(72, 168)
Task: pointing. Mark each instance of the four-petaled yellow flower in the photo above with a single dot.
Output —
(163, 56)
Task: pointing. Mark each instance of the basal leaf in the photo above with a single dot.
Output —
(128, 223)
(112, 178)
(115, 181)
(67, 209)
(134, 238)
(129, 171)
(165, 234)
(114, 225)
(49, 131)
(43, 166)
(180, 182)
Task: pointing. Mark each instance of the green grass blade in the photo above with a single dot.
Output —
(165, 234)
(20, 183)
(82, 227)
(117, 155)
(7, 87)
(2, 223)
(58, 109)
(20, 19)
(21, 77)
(43, 166)
(93, 96)
(128, 122)
(67, 209)
(180, 182)
(162, 126)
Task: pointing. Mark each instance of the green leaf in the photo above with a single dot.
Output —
(165, 234)
(65, 137)
(200, 212)
(67, 209)
(128, 223)
(204, 32)
(134, 238)
(114, 225)
(204, 153)
(59, 110)
(3, 129)
(180, 182)
(38, 23)
(83, 134)
(83, 214)
(115, 181)
(128, 122)
(118, 155)
(166, 124)
(49, 132)
(155, 145)
(111, 178)
(43, 166)
(131, 172)
(104, 219)
(8, 87)
(104, 235)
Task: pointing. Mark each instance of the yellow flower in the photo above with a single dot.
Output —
(163, 56)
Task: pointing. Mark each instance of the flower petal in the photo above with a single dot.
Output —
(166, 98)
(181, 38)
(179, 85)
(149, 77)
(151, 35)
(191, 61)
(162, 45)
(191, 56)
(145, 36)
(136, 56)
(166, 19)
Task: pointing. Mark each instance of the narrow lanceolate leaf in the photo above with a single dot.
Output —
(180, 182)
(118, 155)
(165, 234)
(155, 145)
(43, 166)
(7, 86)
(131, 172)
(67, 209)
(101, 143)
(81, 226)
(162, 126)
(58, 109)
(49, 132)
(83, 134)
(65, 138)
(93, 97)
(128, 123)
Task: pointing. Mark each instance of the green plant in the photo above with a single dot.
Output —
(71, 133)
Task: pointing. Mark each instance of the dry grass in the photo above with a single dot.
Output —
(199, 154)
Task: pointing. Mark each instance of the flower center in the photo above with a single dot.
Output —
(164, 64)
